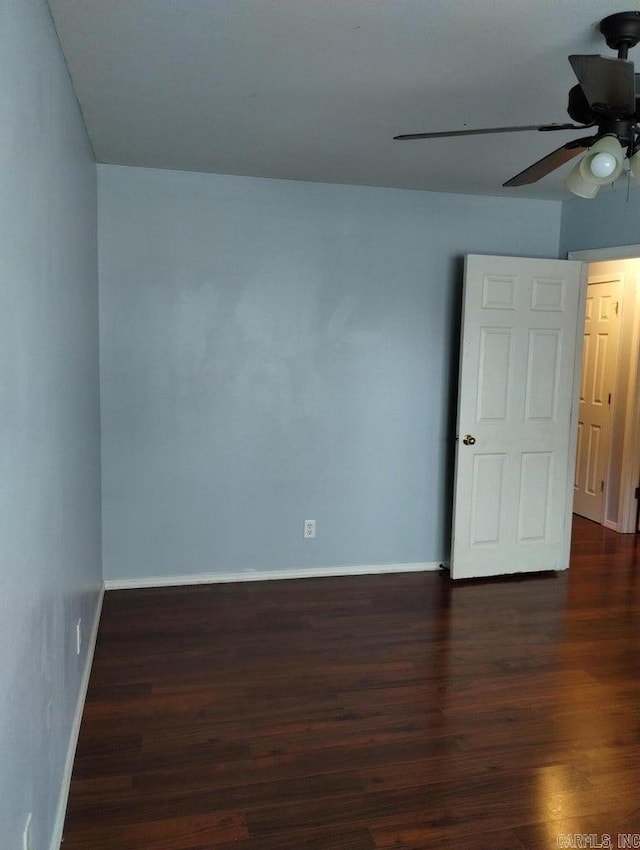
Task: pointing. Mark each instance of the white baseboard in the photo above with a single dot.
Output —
(268, 575)
(58, 826)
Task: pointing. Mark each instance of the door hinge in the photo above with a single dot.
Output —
(602, 486)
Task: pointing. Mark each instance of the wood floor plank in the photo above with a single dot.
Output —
(416, 838)
(364, 712)
(180, 832)
(331, 839)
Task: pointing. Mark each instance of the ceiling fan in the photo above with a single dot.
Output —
(604, 99)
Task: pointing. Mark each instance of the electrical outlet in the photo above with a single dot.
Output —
(27, 838)
(309, 528)
(78, 636)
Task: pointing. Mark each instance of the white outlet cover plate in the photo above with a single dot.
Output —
(309, 528)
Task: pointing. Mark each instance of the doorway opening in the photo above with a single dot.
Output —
(607, 470)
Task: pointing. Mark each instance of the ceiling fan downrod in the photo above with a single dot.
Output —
(621, 31)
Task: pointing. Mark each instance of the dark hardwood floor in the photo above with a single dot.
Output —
(390, 711)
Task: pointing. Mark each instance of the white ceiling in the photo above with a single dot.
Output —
(316, 89)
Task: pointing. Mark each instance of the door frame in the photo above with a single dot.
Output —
(575, 407)
(630, 461)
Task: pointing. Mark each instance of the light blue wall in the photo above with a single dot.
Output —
(49, 415)
(608, 220)
(274, 351)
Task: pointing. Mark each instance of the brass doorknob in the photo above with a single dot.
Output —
(468, 440)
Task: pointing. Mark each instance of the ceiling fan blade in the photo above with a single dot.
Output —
(550, 162)
(450, 133)
(608, 84)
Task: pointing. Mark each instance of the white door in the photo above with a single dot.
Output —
(597, 385)
(515, 452)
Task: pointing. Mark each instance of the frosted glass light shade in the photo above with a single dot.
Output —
(581, 185)
(634, 165)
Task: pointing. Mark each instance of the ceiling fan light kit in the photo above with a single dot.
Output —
(605, 99)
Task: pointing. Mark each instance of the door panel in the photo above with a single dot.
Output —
(534, 496)
(488, 477)
(512, 484)
(541, 395)
(599, 366)
(493, 374)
